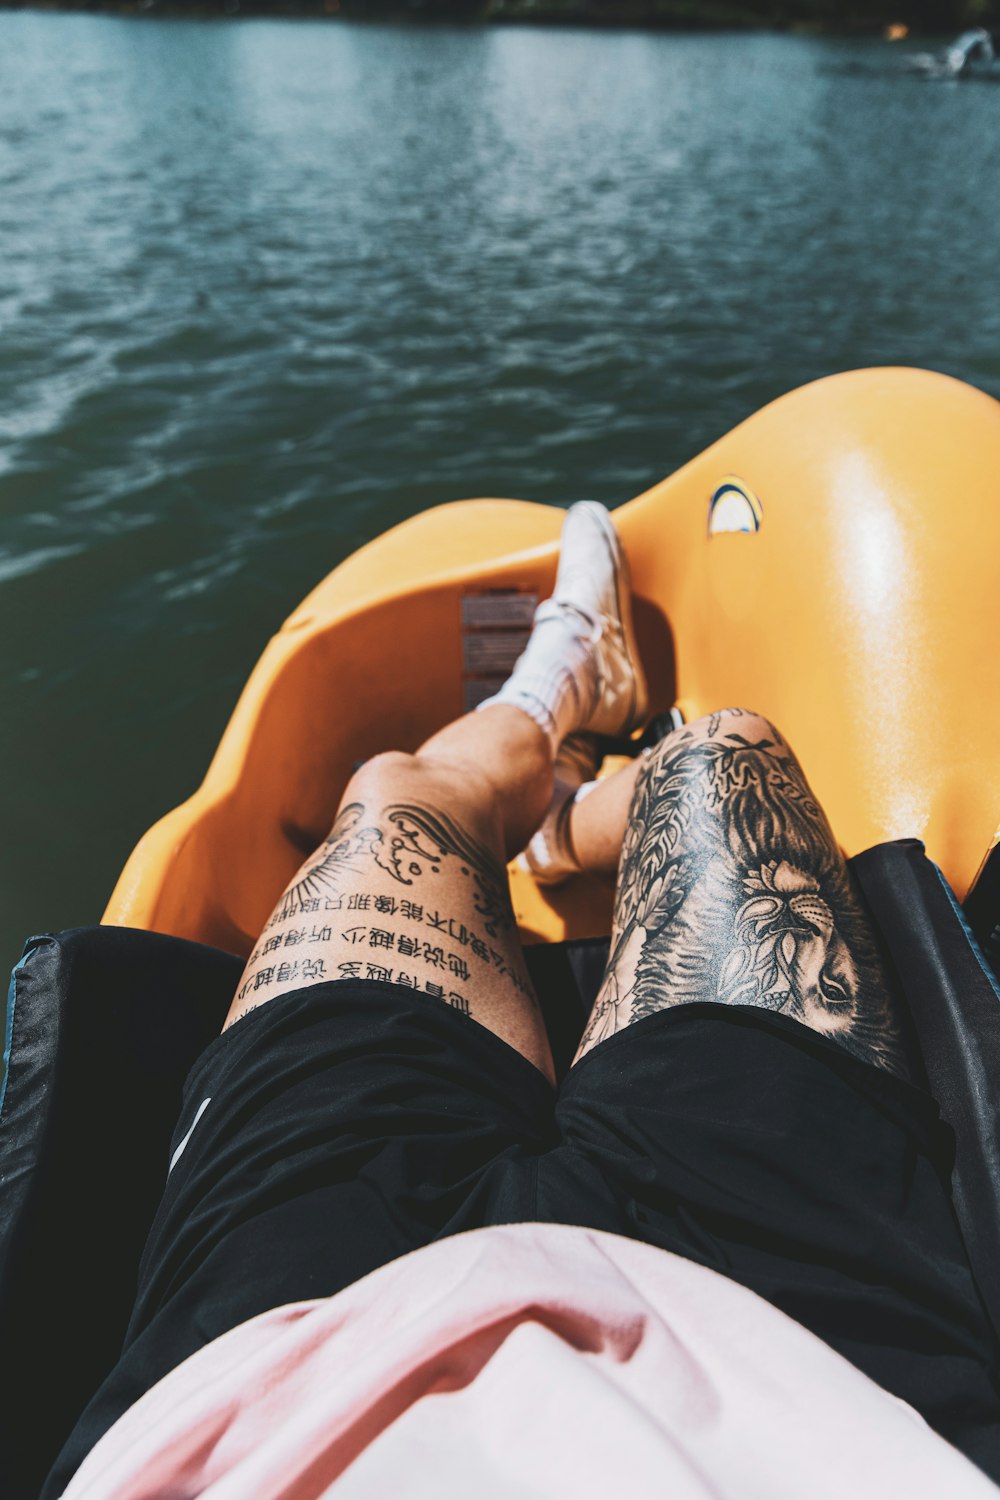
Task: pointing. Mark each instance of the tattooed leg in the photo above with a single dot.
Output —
(731, 888)
(410, 886)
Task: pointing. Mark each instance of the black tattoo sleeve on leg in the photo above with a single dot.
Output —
(343, 852)
(370, 886)
(423, 837)
(732, 888)
(405, 840)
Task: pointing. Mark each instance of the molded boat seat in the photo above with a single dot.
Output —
(104, 1023)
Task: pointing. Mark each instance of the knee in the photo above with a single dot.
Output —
(699, 743)
(375, 778)
(743, 722)
(386, 764)
(395, 774)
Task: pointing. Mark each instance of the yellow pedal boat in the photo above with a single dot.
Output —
(831, 562)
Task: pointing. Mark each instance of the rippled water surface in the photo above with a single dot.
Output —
(267, 288)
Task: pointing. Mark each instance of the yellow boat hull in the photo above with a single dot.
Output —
(856, 605)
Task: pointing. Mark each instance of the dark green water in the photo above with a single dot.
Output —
(267, 288)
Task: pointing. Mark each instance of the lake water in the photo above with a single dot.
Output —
(267, 288)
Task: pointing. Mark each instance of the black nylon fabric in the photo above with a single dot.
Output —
(350, 1123)
(107, 1021)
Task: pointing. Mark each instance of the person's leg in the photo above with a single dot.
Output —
(731, 888)
(595, 824)
(740, 1121)
(410, 887)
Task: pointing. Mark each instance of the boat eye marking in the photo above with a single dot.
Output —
(734, 507)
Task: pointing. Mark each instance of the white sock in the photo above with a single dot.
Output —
(555, 679)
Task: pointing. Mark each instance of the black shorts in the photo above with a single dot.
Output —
(350, 1123)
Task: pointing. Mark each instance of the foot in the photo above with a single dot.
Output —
(550, 856)
(580, 671)
(592, 596)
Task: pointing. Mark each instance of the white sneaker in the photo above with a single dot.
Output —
(580, 671)
(592, 584)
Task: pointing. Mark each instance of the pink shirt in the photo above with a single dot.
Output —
(528, 1360)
